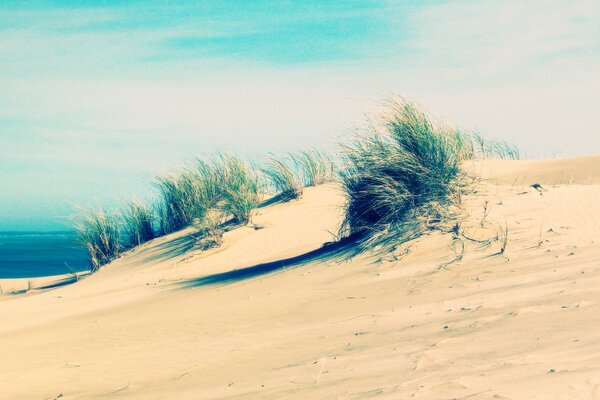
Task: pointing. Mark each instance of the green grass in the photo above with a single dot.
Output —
(138, 222)
(181, 199)
(240, 188)
(99, 233)
(221, 182)
(210, 231)
(283, 179)
(489, 148)
(316, 167)
(402, 178)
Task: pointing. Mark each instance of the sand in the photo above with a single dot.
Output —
(268, 315)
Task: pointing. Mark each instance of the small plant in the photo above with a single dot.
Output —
(488, 148)
(316, 167)
(210, 176)
(283, 179)
(458, 255)
(99, 233)
(486, 212)
(240, 188)
(502, 237)
(210, 231)
(481, 143)
(138, 223)
(72, 272)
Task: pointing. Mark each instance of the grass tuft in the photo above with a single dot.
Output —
(283, 179)
(401, 178)
(99, 233)
(210, 231)
(502, 237)
(240, 188)
(182, 199)
(316, 167)
(489, 148)
(138, 220)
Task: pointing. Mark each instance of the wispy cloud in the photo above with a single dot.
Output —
(98, 96)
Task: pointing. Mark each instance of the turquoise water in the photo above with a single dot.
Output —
(31, 254)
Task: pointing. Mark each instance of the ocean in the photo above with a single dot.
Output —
(32, 254)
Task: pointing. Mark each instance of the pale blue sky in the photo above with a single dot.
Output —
(96, 97)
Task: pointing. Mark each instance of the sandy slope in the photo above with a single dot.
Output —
(168, 322)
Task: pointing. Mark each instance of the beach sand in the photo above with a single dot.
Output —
(269, 315)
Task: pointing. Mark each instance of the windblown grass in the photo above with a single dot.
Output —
(482, 147)
(138, 221)
(210, 231)
(182, 199)
(240, 188)
(403, 178)
(400, 178)
(99, 233)
(283, 179)
(317, 168)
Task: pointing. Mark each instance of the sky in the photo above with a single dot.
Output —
(98, 97)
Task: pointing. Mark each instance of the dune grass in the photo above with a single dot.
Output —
(99, 233)
(210, 231)
(182, 199)
(138, 223)
(482, 147)
(283, 178)
(316, 167)
(222, 182)
(403, 177)
(240, 188)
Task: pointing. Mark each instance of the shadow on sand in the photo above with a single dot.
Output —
(182, 244)
(167, 250)
(51, 285)
(333, 250)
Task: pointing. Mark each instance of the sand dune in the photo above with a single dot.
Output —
(270, 314)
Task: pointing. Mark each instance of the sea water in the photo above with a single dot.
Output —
(32, 254)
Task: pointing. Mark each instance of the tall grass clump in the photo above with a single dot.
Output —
(138, 222)
(182, 199)
(240, 187)
(403, 177)
(99, 233)
(316, 167)
(283, 179)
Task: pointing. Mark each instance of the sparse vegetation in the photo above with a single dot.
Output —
(210, 231)
(182, 199)
(486, 212)
(283, 179)
(489, 148)
(401, 178)
(317, 168)
(99, 233)
(502, 237)
(241, 188)
(72, 272)
(138, 220)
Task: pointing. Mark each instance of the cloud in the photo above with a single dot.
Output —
(97, 99)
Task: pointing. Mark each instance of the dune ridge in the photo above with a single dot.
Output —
(443, 316)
